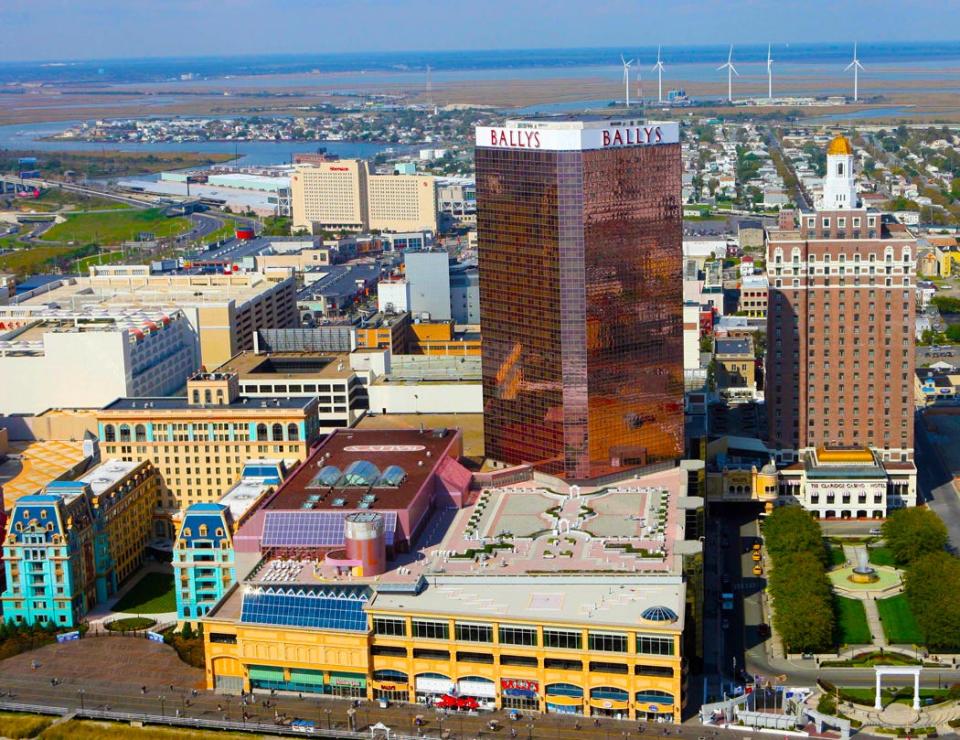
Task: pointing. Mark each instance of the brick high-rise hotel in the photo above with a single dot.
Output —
(579, 225)
(840, 325)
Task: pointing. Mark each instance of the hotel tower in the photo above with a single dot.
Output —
(580, 225)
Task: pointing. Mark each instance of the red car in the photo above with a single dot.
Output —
(457, 702)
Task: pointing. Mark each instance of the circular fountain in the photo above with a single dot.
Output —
(863, 572)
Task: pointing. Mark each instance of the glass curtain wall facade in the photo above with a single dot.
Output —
(581, 307)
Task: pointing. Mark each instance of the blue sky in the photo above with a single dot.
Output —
(66, 29)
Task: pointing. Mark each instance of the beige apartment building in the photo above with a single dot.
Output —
(344, 195)
(402, 202)
(330, 195)
(201, 442)
(224, 310)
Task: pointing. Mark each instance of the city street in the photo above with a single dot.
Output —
(935, 485)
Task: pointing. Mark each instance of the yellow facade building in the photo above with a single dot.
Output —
(200, 442)
(439, 338)
(557, 600)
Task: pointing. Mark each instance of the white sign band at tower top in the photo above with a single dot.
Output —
(577, 135)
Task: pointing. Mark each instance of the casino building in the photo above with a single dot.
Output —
(840, 352)
(579, 224)
(381, 570)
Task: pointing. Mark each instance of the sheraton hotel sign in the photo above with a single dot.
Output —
(575, 136)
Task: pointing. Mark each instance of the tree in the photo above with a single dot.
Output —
(932, 587)
(802, 602)
(946, 304)
(791, 529)
(913, 533)
(187, 631)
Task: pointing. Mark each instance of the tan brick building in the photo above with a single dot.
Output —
(840, 325)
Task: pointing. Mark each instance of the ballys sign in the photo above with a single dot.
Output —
(575, 139)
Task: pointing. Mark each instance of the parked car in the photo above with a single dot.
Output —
(468, 703)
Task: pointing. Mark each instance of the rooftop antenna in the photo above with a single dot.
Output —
(856, 66)
(731, 71)
(626, 78)
(658, 68)
(769, 74)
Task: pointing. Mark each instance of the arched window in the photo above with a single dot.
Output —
(196, 396)
(261, 432)
(292, 432)
(207, 396)
(140, 433)
(840, 169)
(277, 432)
(109, 433)
(124, 433)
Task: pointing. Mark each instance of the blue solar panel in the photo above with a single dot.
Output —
(314, 528)
(336, 609)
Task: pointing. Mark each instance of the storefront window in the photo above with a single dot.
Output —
(568, 639)
(430, 630)
(511, 635)
(468, 632)
(655, 645)
(611, 642)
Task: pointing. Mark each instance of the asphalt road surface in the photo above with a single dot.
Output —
(935, 485)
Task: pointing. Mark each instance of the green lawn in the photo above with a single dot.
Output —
(852, 622)
(881, 556)
(26, 261)
(129, 624)
(899, 624)
(902, 695)
(116, 227)
(59, 198)
(153, 594)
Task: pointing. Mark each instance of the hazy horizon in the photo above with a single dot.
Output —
(60, 30)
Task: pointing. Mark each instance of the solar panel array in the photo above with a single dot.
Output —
(314, 528)
(316, 608)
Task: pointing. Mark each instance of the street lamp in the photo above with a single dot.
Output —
(328, 712)
(81, 693)
(162, 699)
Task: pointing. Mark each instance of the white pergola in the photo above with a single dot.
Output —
(899, 671)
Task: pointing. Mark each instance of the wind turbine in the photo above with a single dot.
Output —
(640, 85)
(856, 66)
(626, 78)
(658, 68)
(769, 74)
(731, 71)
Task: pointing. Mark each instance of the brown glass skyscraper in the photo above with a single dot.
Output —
(579, 223)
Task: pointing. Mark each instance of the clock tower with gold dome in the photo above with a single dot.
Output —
(839, 185)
